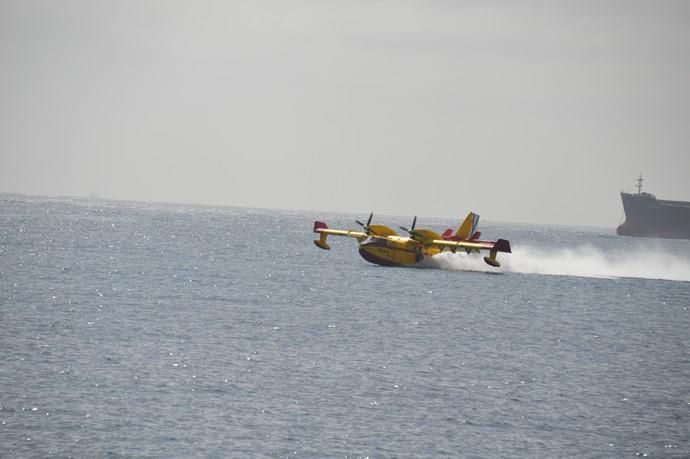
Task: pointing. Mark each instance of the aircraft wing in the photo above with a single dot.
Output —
(323, 230)
(501, 245)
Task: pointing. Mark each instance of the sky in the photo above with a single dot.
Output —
(530, 111)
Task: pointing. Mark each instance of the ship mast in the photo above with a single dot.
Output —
(639, 184)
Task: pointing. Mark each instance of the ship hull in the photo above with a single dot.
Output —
(646, 216)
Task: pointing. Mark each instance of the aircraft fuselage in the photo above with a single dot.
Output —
(394, 251)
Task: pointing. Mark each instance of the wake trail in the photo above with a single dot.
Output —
(583, 261)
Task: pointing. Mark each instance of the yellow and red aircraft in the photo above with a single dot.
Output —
(381, 245)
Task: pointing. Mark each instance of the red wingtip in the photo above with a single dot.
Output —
(319, 226)
(502, 246)
(447, 234)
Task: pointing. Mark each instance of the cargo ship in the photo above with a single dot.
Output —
(647, 216)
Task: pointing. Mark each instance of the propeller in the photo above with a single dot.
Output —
(366, 227)
(411, 229)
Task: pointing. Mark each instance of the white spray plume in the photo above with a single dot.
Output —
(583, 261)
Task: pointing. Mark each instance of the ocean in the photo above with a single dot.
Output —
(159, 331)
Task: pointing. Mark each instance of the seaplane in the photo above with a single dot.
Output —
(381, 245)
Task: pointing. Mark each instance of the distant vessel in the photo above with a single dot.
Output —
(647, 216)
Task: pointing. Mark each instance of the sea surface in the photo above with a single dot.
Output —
(172, 331)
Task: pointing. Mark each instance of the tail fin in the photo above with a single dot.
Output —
(468, 227)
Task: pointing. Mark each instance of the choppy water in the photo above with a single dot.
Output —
(137, 330)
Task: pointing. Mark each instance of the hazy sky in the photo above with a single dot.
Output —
(522, 111)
